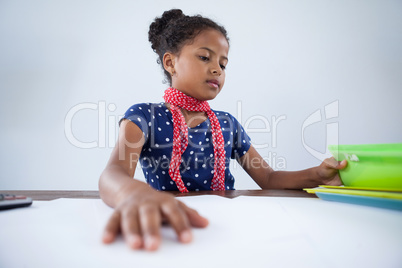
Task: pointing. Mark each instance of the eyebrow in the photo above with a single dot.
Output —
(210, 50)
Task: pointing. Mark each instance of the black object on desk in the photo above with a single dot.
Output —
(8, 201)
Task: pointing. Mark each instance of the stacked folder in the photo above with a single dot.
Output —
(380, 197)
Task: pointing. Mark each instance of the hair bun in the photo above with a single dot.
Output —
(160, 24)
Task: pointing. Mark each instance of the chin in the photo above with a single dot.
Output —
(212, 94)
(208, 97)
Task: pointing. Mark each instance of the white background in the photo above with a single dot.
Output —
(287, 58)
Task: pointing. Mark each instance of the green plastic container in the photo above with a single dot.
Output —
(370, 165)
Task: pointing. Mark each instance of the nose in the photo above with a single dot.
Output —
(216, 70)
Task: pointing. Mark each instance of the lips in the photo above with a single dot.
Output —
(213, 83)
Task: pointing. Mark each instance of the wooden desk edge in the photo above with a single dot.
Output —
(47, 195)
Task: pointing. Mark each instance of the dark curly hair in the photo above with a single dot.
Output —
(173, 30)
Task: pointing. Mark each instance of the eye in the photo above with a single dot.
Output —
(203, 58)
(223, 67)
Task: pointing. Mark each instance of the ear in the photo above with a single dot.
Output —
(169, 62)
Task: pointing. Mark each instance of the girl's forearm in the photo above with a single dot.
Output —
(292, 179)
(115, 185)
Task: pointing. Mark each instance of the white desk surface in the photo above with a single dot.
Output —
(243, 232)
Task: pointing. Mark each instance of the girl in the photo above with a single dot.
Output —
(182, 144)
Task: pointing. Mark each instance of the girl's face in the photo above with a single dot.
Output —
(199, 68)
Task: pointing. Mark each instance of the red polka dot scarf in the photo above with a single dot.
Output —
(178, 100)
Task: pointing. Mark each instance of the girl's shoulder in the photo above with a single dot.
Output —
(147, 108)
(143, 113)
(224, 116)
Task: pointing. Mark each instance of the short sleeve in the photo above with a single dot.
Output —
(241, 141)
(139, 114)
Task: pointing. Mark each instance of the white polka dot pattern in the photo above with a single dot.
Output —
(178, 100)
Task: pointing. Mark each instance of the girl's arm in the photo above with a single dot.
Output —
(139, 209)
(267, 178)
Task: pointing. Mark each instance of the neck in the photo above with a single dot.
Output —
(192, 118)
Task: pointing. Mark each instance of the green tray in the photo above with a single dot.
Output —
(370, 165)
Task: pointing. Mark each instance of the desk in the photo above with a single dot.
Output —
(270, 228)
(51, 195)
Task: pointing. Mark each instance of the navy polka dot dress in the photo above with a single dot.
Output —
(197, 167)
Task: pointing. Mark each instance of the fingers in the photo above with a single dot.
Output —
(178, 220)
(141, 224)
(342, 164)
(150, 220)
(332, 163)
(131, 228)
(112, 228)
(195, 219)
(140, 227)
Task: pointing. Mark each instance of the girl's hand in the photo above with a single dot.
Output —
(328, 171)
(140, 215)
